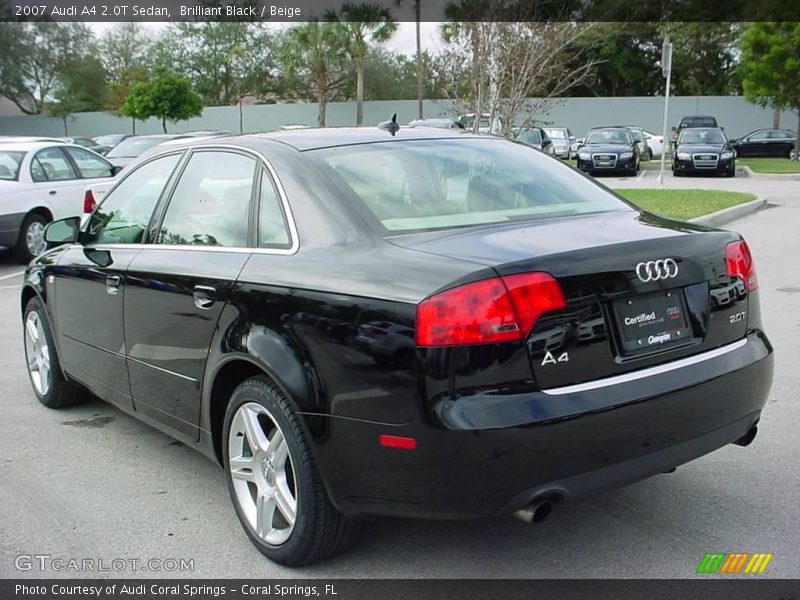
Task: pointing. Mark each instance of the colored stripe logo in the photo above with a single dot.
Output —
(735, 563)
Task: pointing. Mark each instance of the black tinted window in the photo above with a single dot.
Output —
(211, 202)
(125, 213)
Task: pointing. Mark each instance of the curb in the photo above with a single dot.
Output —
(748, 172)
(726, 215)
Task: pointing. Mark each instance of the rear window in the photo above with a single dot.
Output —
(441, 184)
(556, 134)
(9, 165)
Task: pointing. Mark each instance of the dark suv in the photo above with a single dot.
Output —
(693, 121)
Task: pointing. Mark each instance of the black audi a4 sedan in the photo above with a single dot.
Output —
(424, 323)
(609, 149)
(704, 150)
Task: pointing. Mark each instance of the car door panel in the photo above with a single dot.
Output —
(90, 288)
(173, 300)
(178, 286)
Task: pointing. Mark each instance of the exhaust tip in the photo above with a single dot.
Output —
(535, 512)
(748, 437)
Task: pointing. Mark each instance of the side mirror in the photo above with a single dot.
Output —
(581, 140)
(115, 170)
(674, 129)
(63, 231)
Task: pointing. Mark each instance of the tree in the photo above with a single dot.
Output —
(124, 50)
(770, 67)
(315, 51)
(362, 24)
(35, 56)
(167, 96)
(515, 69)
(225, 60)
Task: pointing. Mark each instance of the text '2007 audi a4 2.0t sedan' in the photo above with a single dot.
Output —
(417, 323)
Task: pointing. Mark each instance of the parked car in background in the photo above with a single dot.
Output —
(693, 121)
(80, 141)
(766, 142)
(645, 152)
(41, 182)
(655, 141)
(703, 149)
(11, 139)
(104, 143)
(131, 148)
(609, 149)
(216, 291)
(485, 123)
(534, 137)
(443, 123)
(564, 143)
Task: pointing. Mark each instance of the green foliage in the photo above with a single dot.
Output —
(770, 67)
(167, 96)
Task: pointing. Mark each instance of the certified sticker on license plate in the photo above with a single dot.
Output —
(652, 320)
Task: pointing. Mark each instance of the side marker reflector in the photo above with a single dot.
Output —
(394, 441)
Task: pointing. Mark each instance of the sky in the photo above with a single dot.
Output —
(402, 41)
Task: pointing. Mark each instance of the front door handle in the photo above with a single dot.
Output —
(204, 296)
(112, 284)
(52, 192)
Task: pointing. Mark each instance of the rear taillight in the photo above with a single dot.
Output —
(739, 262)
(501, 309)
(89, 203)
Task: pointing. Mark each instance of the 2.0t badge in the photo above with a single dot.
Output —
(655, 270)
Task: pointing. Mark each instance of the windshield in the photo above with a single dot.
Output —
(556, 134)
(637, 135)
(442, 184)
(530, 136)
(9, 165)
(608, 136)
(702, 136)
(133, 147)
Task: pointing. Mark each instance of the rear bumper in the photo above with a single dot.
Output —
(565, 445)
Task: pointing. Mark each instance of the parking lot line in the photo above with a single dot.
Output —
(12, 275)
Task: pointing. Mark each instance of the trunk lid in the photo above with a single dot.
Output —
(625, 311)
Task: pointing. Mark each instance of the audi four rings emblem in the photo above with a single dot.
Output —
(655, 270)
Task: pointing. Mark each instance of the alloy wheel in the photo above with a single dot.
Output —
(37, 353)
(262, 472)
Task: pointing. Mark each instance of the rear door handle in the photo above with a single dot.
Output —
(112, 284)
(204, 296)
(52, 192)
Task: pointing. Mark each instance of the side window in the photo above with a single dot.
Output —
(50, 164)
(779, 135)
(125, 213)
(89, 165)
(211, 202)
(759, 136)
(272, 229)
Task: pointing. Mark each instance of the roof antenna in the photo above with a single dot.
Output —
(391, 125)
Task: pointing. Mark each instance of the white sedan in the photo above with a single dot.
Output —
(41, 182)
(656, 142)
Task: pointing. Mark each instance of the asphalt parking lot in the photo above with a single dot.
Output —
(92, 482)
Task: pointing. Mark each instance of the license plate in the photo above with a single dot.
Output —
(652, 320)
(604, 163)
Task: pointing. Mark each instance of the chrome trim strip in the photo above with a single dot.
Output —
(649, 372)
(166, 371)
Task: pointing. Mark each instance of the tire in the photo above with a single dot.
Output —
(30, 242)
(677, 174)
(44, 369)
(278, 474)
(731, 172)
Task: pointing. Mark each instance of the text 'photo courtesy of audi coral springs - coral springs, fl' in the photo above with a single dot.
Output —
(419, 323)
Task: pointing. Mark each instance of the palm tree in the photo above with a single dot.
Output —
(317, 50)
(363, 23)
(417, 19)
